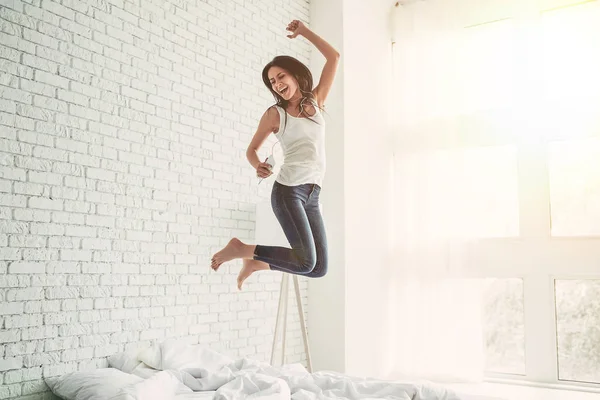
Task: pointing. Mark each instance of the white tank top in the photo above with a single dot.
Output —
(303, 145)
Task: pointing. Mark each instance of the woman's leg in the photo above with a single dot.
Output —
(313, 212)
(289, 204)
(297, 210)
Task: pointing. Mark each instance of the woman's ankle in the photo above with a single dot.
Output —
(248, 251)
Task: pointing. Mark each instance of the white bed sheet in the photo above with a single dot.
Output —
(196, 395)
(479, 397)
(210, 394)
(205, 374)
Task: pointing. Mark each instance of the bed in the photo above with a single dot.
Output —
(174, 370)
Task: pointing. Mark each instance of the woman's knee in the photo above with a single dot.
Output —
(307, 261)
(319, 271)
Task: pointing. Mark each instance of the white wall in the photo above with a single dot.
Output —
(368, 154)
(123, 128)
(326, 296)
(360, 146)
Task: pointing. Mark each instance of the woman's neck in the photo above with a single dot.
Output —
(295, 101)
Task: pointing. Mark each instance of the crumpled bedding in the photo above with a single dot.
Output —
(200, 369)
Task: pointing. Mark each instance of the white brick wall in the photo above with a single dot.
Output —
(123, 129)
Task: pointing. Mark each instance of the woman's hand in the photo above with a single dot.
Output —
(296, 27)
(264, 170)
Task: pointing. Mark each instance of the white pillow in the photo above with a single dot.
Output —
(160, 386)
(174, 354)
(98, 384)
(145, 372)
(126, 361)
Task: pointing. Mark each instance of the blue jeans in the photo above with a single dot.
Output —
(297, 210)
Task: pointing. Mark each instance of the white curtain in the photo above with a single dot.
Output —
(437, 307)
(480, 89)
(449, 191)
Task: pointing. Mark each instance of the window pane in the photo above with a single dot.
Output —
(422, 89)
(487, 68)
(575, 187)
(504, 326)
(467, 192)
(578, 329)
(570, 43)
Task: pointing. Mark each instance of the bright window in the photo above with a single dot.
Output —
(578, 328)
(574, 167)
(504, 326)
(498, 140)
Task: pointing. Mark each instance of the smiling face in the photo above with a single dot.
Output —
(282, 82)
(288, 79)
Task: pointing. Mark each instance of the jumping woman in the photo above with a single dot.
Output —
(298, 125)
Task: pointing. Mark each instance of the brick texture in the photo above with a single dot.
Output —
(123, 130)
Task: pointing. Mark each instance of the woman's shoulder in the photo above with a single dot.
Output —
(273, 111)
(272, 115)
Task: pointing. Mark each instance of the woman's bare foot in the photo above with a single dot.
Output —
(234, 249)
(248, 268)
